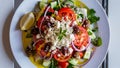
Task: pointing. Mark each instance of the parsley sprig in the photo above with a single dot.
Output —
(62, 33)
(92, 17)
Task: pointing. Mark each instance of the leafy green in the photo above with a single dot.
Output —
(62, 33)
(53, 63)
(97, 41)
(92, 17)
(70, 65)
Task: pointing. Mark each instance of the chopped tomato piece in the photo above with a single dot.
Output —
(61, 57)
(63, 64)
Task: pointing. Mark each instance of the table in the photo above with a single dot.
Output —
(6, 52)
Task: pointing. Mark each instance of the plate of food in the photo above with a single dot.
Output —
(59, 34)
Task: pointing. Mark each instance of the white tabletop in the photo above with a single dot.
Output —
(6, 7)
(6, 12)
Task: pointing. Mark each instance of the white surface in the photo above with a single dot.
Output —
(114, 48)
(28, 5)
(5, 10)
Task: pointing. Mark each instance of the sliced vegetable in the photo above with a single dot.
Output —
(53, 4)
(63, 64)
(81, 40)
(46, 63)
(73, 61)
(66, 11)
(60, 57)
(87, 54)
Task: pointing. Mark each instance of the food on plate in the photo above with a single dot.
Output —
(60, 34)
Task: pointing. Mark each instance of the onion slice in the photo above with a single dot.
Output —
(44, 17)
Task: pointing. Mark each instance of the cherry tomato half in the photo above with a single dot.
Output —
(82, 38)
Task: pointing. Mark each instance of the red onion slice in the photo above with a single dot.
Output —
(76, 49)
(44, 17)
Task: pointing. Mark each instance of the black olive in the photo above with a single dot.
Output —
(86, 24)
(35, 31)
(47, 46)
(64, 50)
(30, 50)
(76, 29)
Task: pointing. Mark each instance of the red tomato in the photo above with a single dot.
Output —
(81, 54)
(39, 45)
(62, 58)
(51, 10)
(63, 64)
(41, 26)
(82, 38)
(66, 11)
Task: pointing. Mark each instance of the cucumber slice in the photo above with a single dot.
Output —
(73, 61)
(53, 4)
(87, 54)
(46, 63)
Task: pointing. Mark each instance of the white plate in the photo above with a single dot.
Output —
(16, 37)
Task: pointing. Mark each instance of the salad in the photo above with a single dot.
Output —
(60, 34)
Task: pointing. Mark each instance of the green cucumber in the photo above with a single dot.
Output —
(46, 63)
(53, 4)
(73, 61)
(87, 54)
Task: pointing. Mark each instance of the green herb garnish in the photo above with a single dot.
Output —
(92, 17)
(53, 63)
(62, 33)
(97, 41)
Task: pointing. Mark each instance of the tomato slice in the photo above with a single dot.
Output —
(63, 64)
(82, 38)
(62, 58)
(66, 11)
(40, 51)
